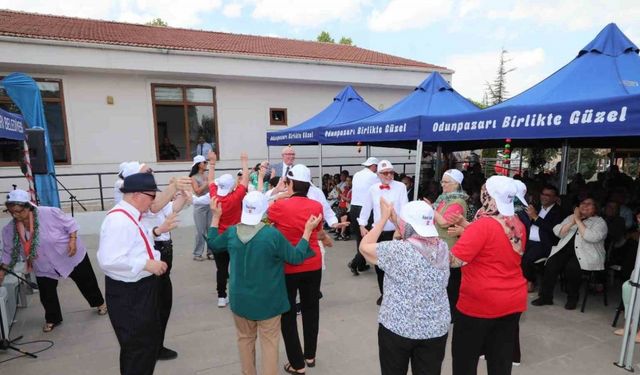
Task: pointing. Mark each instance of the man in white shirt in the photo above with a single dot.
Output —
(360, 184)
(131, 266)
(394, 192)
(202, 148)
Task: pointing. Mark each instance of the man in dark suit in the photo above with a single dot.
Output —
(288, 159)
(408, 182)
(540, 237)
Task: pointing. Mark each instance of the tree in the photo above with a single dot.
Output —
(497, 91)
(346, 41)
(157, 22)
(325, 37)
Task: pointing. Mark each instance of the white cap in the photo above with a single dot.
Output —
(299, 172)
(521, 191)
(455, 174)
(254, 206)
(130, 168)
(503, 190)
(371, 161)
(225, 184)
(122, 166)
(384, 164)
(19, 196)
(420, 215)
(197, 160)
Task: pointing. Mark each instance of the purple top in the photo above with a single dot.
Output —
(52, 260)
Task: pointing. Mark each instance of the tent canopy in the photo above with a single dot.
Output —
(11, 126)
(596, 95)
(401, 122)
(347, 106)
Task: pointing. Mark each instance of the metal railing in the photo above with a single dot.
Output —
(94, 189)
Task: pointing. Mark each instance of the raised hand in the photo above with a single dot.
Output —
(212, 157)
(169, 224)
(312, 222)
(216, 207)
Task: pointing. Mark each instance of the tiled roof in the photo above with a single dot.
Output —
(37, 26)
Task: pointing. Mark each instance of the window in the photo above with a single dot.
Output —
(278, 116)
(53, 101)
(184, 116)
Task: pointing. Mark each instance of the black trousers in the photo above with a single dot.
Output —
(222, 272)
(396, 351)
(564, 260)
(133, 311)
(534, 251)
(384, 236)
(453, 291)
(308, 285)
(165, 288)
(495, 337)
(86, 281)
(358, 260)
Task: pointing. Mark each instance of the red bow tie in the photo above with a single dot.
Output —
(385, 187)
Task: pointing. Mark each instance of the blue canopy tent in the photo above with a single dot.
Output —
(596, 95)
(347, 106)
(11, 126)
(24, 92)
(399, 125)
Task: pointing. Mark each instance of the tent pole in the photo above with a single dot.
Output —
(578, 161)
(438, 161)
(564, 164)
(520, 167)
(416, 180)
(631, 321)
(368, 151)
(268, 155)
(320, 165)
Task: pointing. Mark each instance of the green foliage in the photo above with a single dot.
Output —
(480, 105)
(325, 37)
(537, 158)
(588, 162)
(157, 22)
(497, 91)
(346, 41)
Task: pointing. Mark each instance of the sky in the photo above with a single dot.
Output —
(466, 36)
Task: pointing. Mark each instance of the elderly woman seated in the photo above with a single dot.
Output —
(581, 248)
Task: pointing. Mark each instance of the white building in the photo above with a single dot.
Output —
(113, 92)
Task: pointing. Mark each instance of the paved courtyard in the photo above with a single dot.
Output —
(554, 341)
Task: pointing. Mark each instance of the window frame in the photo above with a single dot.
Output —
(184, 103)
(63, 114)
(284, 121)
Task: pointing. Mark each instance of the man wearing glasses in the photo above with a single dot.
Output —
(394, 192)
(131, 266)
(288, 158)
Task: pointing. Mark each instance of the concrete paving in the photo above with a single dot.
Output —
(554, 341)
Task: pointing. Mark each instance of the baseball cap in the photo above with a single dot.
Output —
(521, 191)
(371, 161)
(503, 190)
(299, 172)
(130, 168)
(455, 174)
(19, 196)
(254, 205)
(225, 184)
(384, 164)
(420, 215)
(197, 160)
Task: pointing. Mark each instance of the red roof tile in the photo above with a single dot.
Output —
(37, 26)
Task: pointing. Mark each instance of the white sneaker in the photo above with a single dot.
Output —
(223, 301)
(515, 364)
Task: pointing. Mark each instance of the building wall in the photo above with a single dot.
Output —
(103, 135)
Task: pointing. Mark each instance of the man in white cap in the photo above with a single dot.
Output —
(360, 184)
(394, 192)
(230, 199)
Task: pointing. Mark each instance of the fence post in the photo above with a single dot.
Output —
(101, 194)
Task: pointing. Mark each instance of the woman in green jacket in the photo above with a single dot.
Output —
(258, 295)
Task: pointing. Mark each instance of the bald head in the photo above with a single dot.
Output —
(288, 155)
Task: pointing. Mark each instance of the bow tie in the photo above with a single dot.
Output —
(385, 187)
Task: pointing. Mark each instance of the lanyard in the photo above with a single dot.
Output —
(146, 241)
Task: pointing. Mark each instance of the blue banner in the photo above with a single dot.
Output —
(399, 130)
(610, 117)
(11, 126)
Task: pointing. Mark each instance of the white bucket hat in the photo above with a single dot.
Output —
(371, 161)
(254, 206)
(19, 196)
(299, 172)
(225, 183)
(420, 216)
(503, 190)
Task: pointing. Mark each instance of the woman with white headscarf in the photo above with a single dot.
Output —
(493, 292)
(414, 316)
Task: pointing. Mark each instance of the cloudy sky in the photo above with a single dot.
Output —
(464, 35)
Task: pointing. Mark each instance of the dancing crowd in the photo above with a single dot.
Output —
(465, 254)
